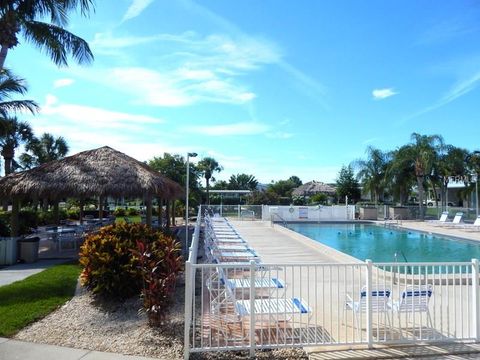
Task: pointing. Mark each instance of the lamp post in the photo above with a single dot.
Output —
(476, 193)
(187, 187)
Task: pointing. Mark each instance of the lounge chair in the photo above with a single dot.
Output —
(442, 220)
(475, 226)
(455, 222)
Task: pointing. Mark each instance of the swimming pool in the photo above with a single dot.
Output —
(366, 241)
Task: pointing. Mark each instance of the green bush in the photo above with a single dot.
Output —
(73, 214)
(110, 269)
(120, 212)
(132, 212)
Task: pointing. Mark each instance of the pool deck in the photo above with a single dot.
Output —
(423, 226)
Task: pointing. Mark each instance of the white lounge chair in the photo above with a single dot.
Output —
(442, 220)
(455, 222)
(475, 226)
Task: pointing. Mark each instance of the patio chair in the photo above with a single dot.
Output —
(414, 300)
(379, 300)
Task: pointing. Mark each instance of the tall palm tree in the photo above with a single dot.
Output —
(23, 17)
(423, 151)
(12, 85)
(208, 166)
(43, 150)
(372, 172)
(399, 174)
(13, 133)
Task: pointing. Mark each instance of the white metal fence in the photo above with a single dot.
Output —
(309, 213)
(249, 306)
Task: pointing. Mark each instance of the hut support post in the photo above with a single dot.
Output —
(56, 214)
(173, 213)
(148, 203)
(167, 213)
(160, 212)
(14, 219)
(80, 213)
(100, 208)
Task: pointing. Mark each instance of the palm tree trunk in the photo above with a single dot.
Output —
(420, 196)
(173, 213)
(167, 213)
(3, 56)
(208, 191)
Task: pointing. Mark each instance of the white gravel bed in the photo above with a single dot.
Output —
(87, 324)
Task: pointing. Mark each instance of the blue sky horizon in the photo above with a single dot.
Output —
(267, 88)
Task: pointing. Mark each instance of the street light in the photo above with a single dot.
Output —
(187, 187)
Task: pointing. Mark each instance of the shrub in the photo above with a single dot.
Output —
(73, 214)
(119, 212)
(110, 269)
(132, 212)
(159, 264)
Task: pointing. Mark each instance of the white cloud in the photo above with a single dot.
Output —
(92, 117)
(241, 128)
(459, 89)
(62, 83)
(136, 8)
(380, 94)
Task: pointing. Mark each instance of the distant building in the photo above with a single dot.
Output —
(314, 187)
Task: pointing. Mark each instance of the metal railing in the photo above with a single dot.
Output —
(281, 219)
(252, 305)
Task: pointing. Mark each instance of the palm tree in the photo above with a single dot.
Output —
(208, 166)
(399, 174)
(423, 152)
(242, 182)
(43, 150)
(13, 133)
(22, 17)
(372, 172)
(11, 85)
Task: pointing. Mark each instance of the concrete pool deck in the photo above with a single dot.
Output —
(326, 295)
(423, 226)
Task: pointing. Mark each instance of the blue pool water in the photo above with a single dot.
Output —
(365, 241)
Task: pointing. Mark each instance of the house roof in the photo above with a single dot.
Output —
(312, 188)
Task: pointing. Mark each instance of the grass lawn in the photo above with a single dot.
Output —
(28, 300)
(133, 219)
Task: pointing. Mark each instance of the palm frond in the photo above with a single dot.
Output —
(18, 106)
(58, 43)
(56, 10)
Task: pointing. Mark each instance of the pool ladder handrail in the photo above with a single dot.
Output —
(395, 259)
(284, 222)
(395, 222)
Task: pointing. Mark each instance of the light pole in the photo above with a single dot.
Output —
(476, 192)
(187, 187)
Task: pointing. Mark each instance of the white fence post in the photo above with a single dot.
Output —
(475, 299)
(252, 308)
(188, 309)
(369, 303)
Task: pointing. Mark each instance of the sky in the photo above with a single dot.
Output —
(270, 88)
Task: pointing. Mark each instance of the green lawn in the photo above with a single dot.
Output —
(28, 300)
(133, 219)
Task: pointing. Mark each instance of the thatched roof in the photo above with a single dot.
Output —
(99, 172)
(312, 188)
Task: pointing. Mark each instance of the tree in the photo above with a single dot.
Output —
(295, 180)
(43, 150)
(372, 171)
(23, 17)
(400, 174)
(13, 133)
(347, 184)
(242, 182)
(208, 166)
(263, 198)
(423, 152)
(12, 85)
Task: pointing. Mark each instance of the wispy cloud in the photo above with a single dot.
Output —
(459, 89)
(62, 83)
(380, 94)
(136, 8)
(309, 85)
(369, 141)
(95, 118)
(449, 29)
(241, 128)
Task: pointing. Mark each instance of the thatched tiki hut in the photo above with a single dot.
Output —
(97, 173)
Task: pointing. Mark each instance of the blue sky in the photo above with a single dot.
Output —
(269, 88)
